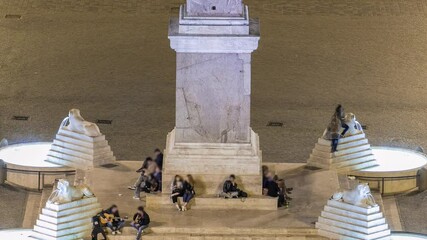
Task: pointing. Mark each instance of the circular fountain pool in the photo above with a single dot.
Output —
(397, 170)
(26, 165)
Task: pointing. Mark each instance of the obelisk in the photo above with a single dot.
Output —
(213, 40)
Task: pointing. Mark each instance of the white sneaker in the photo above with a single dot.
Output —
(136, 198)
(131, 187)
(113, 232)
(118, 232)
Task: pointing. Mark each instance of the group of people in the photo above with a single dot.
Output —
(150, 179)
(110, 218)
(184, 188)
(275, 187)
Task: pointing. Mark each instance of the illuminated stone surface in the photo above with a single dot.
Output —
(66, 221)
(354, 153)
(79, 151)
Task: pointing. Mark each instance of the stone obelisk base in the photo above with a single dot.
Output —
(341, 220)
(79, 151)
(354, 153)
(66, 221)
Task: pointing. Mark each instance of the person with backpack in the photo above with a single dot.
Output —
(98, 227)
(230, 189)
(141, 220)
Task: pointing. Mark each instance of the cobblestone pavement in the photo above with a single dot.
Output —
(413, 210)
(12, 207)
(111, 59)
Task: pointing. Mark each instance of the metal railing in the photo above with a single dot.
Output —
(381, 180)
(41, 174)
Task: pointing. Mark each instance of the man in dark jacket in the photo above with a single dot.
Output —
(230, 189)
(141, 220)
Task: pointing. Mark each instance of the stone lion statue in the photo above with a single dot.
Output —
(360, 196)
(354, 127)
(76, 123)
(65, 193)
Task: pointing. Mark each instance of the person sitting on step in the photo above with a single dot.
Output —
(273, 190)
(141, 220)
(177, 189)
(230, 189)
(148, 166)
(144, 186)
(188, 191)
(116, 223)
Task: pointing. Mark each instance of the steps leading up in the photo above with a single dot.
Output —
(354, 153)
(340, 220)
(211, 202)
(66, 221)
(211, 163)
(79, 151)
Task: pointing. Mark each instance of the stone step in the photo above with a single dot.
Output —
(230, 168)
(353, 220)
(73, 204)
(79, 142)
(213, 183)
(159, 232)
(64, 225)
(70, 211)
(96, 150)
(72, 155)
(343, 140)
(344, 160)
(353, 208)
(80, 136)
(359, 166)
(68, 163)
(318, 151)
(353, 161)
(209, 151)
(211, 202)
(331, 235)
(327, 148)
(65, 231)
(42, 236)
(354, 215)
(352, 233)
(69, 218)
(352, 227)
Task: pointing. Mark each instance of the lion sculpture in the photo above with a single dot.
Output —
(354, 127)
(65, 193)
(76, 123)
(360, 196)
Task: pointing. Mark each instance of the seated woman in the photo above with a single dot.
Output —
(177, 190)
(188, 191)
(230, 189)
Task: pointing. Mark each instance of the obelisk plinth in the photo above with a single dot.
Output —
(213, 40)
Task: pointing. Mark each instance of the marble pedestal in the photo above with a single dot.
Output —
(354, 153)
(79, 151)
(211, 164)
(66, 221)
(341, 220)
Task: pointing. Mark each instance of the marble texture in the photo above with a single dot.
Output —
(354, 153)
(219, 8)
(213, 98)
(66, 221)
(340, 220)
(79, 151)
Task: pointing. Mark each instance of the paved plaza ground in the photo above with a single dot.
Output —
(111, 59)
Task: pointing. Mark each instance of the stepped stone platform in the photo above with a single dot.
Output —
(214, 202)
(79, 151)
(341, 220)
(66, 221)
(211, 164)
(311, 187)
(354, 153)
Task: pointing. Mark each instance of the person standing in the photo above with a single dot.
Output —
(158, 158)
(141, 220)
